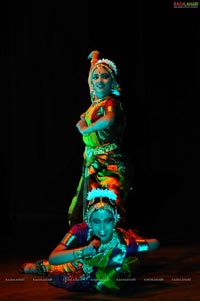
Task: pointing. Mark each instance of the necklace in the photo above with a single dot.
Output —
(94, 105)
(108, 245)
(96, 101)
(100, 258)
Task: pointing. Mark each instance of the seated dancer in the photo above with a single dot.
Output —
(102, 127)
(95, 254)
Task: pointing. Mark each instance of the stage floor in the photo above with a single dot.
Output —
(171, 273)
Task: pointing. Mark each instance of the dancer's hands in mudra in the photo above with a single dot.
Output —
(92, 248)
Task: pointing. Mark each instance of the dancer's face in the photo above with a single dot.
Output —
(102, 81)
(102, 224)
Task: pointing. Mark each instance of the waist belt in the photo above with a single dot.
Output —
(89, 151)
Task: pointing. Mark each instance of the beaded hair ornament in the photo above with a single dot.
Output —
(109, 67)
(101, 199)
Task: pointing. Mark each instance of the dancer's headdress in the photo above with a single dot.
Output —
(101, 199)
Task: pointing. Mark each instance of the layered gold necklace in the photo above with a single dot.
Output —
(96, 101)
(105, 247)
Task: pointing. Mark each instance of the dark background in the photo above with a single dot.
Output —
(44, 68)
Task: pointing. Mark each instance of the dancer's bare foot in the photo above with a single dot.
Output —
(28, 268)
(153, 244)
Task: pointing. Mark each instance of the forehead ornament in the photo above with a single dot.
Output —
(109, 63)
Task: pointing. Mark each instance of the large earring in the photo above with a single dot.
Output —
(89, 232)
(92, 95)
(91, 88)
(115, 88)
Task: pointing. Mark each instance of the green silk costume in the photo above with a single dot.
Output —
(104, 165)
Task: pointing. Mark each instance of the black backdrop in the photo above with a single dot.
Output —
(44, 89)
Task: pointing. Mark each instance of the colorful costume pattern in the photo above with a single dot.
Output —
(104, 165)
(106, 271)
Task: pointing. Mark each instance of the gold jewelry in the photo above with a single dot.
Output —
(105, 247)
(98, 100)
(78, 254)
(100, 257)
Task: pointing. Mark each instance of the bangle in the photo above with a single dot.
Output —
(40, 268)
(79, 254)
(85, 255)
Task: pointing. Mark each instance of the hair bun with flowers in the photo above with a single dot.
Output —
(101, 193)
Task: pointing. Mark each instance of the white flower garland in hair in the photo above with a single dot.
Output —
(109, 63)
(101, 193)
